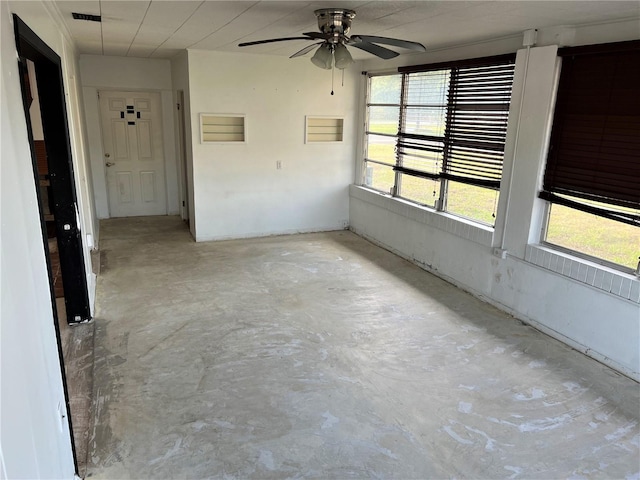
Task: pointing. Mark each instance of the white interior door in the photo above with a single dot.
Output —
(134, 159)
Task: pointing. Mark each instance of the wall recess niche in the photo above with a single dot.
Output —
(323, 129)
(222, 128)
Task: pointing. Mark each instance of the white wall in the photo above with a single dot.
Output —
(238, 192)
(99, 72)
(600, 318)
(35, 441)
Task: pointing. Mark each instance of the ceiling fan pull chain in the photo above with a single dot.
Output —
(343, 77)
(333, 69)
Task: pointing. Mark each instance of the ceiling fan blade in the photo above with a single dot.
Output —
(390, 41)
(378, 51)
(318, 35)
(271, 40)
(305, 50)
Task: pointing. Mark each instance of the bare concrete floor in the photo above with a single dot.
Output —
(77, 352)
(323, 356)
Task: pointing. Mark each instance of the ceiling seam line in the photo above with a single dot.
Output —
(266, 26)
(215, 31)
(181, 25)
(139, 27)
(101, 28)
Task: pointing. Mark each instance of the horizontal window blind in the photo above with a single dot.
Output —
(454, 121)
(594, 151)
(419, 155)
(424, 110)
(479, 100)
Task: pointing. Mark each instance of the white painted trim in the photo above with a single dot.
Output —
(274, 233)
(610, 280)
(92, 285)
(61, 25)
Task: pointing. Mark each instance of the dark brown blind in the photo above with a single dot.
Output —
(477, 124)
(594, 151)
(467, 62)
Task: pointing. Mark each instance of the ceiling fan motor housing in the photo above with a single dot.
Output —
(333, 39)
(335, 21)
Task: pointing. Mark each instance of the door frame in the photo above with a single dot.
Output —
(55, 124)
(182, 148)
(50, 85)
(165, 155)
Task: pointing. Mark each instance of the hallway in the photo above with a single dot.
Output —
(324, 356)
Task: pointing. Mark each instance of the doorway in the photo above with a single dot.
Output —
(133, 151)
(43, 98)
(184, 184)
(41, 78)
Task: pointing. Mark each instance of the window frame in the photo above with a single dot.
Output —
(451, 106)
(553, 196)
(438, 204)
(576, 253)
(367, 132)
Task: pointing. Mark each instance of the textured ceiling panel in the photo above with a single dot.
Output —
(160, 29)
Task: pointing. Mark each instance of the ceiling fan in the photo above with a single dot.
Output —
(334, 25)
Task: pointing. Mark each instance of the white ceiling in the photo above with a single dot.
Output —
(160, 28)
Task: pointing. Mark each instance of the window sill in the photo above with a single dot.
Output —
(603, 278)
(457, 226)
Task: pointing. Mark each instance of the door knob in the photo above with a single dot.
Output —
(109, 164)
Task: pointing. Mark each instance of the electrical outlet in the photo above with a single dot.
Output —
(278, 165)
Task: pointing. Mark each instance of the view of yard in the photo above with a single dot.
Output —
(586, 233)
(600, 237)
(465, 200)
(583, 232)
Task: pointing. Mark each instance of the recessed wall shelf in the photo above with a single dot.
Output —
(323, 129)
(222, 128)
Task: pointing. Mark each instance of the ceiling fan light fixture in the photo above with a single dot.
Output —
(323, 57)
(342, 56)
(334, 39)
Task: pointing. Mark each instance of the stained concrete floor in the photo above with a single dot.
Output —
(77, 353)
(323, 356)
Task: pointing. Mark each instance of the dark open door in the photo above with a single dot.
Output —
(61, 178)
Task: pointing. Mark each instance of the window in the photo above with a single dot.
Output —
(383, 116)
(592, 176)
(435, 134)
